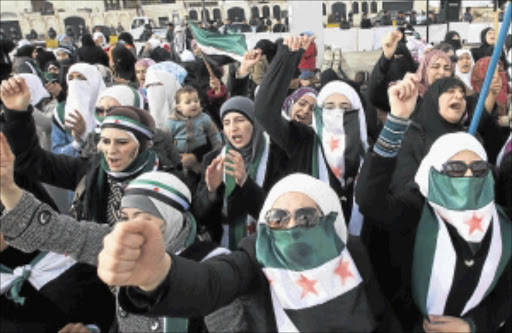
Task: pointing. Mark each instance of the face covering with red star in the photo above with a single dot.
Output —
(314, 282)
(467, 204)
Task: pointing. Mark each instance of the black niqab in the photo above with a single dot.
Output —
(455, 43)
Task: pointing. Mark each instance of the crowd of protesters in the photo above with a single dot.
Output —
(269, 194)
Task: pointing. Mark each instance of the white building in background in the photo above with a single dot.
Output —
(40, 15)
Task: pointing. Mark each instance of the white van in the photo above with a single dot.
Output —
(137, 27)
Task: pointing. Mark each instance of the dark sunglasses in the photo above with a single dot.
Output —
(103, 111)
(459, 168)
(307, 217)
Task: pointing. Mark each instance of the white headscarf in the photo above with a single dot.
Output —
(172, 190)
(161, 90)
(83, 95)
(125, 95)
(97, 35)
(441, 151)
(320, 192)
(37, 90)
(154, 43)
(333, 125)
(464, 77)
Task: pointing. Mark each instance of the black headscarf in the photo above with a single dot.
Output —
(327, 76)
(268, 48)
(87, 40)
(25, 51)
(124, 63)
(126, 37)
(428, 115)
(43, 57)
(455, 43)
(401, 65)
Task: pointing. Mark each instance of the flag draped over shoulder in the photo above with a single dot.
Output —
(219, 49)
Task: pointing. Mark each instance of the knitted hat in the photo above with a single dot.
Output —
(133, 120)
(238, 104)
(162, 195)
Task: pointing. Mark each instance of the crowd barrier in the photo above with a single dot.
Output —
(357, 40)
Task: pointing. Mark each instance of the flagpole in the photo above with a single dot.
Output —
(208, 66)
(498, 47)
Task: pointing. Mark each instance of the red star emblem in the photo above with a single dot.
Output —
(308, 286)
(156, 189)
(251, 228)
(117, 121)
(474, 223)
(337, 172)
(343, 271)
(334, 143)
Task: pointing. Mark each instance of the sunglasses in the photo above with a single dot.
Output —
(102, 111)
(459, 168)
(306, 217)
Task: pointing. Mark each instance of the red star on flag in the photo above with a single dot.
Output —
(117, 121)
(343, 271)
(156, 189)
(474, 223)
(338, 172)
(251, 228)
(308, 286)
(334, 143)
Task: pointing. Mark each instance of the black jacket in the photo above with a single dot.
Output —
(56, 169)
(399, 213)
(76, 295)
(294, 138)
(220, 280)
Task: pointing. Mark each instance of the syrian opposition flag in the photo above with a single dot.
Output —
(219, 49)
(319, 296)
(435, 257)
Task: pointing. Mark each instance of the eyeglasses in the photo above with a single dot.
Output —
(459, 168)
(306, 217)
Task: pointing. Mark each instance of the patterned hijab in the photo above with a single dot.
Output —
(426, 64)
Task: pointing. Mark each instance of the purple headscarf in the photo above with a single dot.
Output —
(145, 62)
(293, 98)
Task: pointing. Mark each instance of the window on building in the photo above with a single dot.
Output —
(205, 15)
(255, 12)
(192, 14)
(217, 14)
(324, 9)
(364, 7)
(266, 12)
(277, 12)
(355, 8)
(374, 7)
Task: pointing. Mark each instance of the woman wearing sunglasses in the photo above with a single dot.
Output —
(444, 228)
(301, 271)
